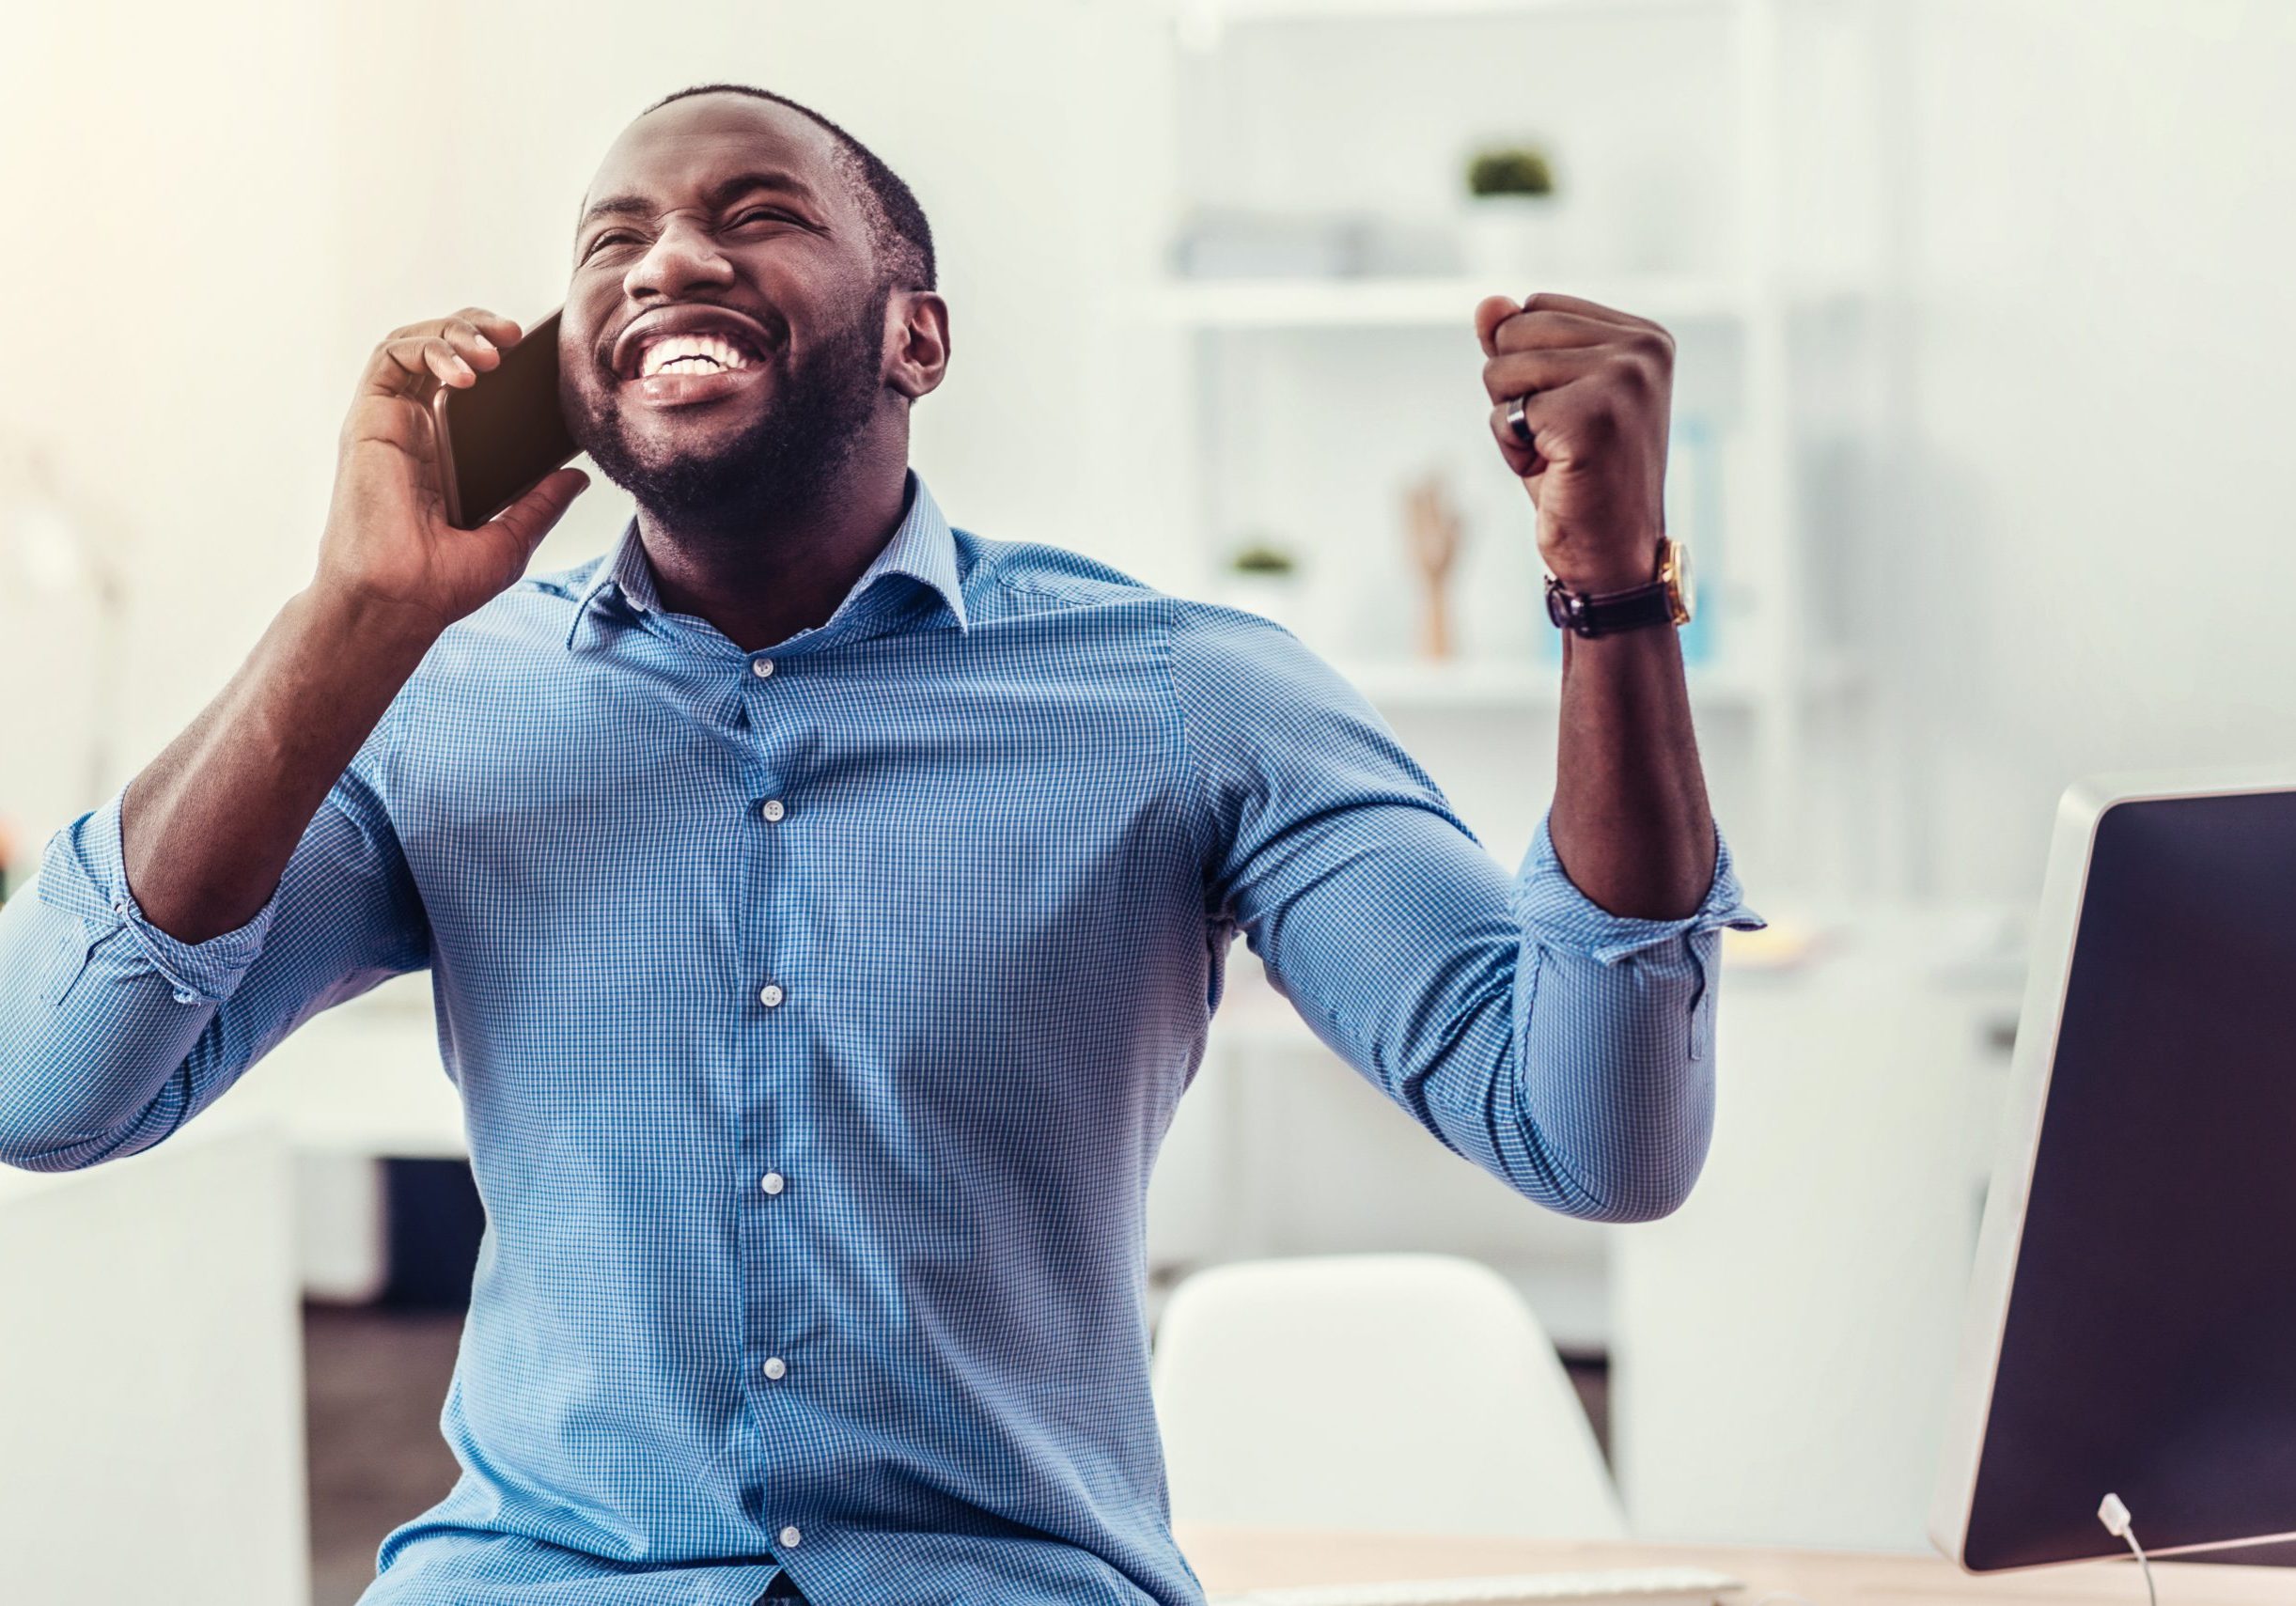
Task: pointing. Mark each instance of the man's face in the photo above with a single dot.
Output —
(723, 341)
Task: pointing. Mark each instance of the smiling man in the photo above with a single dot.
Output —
(825, 906)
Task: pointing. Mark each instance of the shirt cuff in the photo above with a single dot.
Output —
(84, 871)
(1551, 906)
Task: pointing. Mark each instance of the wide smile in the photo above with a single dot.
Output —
(684, 358)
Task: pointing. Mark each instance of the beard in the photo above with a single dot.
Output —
(783, 462)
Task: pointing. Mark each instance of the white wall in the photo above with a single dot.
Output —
(213, 214)
(2097, 542)
(167, 268)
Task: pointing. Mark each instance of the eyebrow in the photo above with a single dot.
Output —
(717, 195)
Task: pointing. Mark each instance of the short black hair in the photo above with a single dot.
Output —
(897, 223)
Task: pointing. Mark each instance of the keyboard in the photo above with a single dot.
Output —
(1628, 1587)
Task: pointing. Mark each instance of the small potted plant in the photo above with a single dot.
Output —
(1513, 218)
(1263, 577)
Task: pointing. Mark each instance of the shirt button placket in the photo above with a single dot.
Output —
(773, 810)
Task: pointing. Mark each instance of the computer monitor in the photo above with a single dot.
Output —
(2131, 1320)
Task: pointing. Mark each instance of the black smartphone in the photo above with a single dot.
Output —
(497, 438)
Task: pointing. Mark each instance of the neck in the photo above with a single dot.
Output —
(761, 575)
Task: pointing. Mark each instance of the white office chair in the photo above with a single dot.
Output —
(1376, 1393)
(151, 1434)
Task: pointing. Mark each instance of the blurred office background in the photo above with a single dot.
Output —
(1982, 310)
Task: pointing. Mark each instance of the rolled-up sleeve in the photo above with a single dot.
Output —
(113, 1033)
(1563, 1049)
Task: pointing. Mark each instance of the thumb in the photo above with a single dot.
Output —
(1490, 313)
(531, 517)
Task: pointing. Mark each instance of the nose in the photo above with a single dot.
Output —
(682, 258)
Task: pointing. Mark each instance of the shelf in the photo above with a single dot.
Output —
(1503, 684)
(1424, 302)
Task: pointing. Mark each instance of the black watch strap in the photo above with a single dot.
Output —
(1609, 612)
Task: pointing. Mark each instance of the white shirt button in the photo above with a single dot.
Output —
(789, 1537)
(772, 1182)
(772, 809)
(776, 1368)
(760, 667)
(770, 995)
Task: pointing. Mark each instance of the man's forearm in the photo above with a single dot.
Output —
(1581, 404)
(210, 824)
(1630, 821)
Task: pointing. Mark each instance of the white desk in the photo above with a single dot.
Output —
(356, 1084)
(1235, 1558)
(362, 1081)
(1784, 1345)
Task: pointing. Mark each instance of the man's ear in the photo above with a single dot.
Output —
(917, 342)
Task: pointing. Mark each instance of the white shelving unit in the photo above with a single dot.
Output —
(1767, 672)
(1231, 1189)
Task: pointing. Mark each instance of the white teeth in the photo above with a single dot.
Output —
(691, 355)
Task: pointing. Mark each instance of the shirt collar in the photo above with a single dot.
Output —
(923, 547)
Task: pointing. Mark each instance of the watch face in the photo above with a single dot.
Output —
(1681, 582)
(1559, 603)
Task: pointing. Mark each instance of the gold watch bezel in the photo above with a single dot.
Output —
(1681, 580)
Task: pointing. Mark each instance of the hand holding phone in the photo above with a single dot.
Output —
(391, 539)
(500, 435)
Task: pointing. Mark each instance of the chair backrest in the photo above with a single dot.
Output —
(1378, 1392)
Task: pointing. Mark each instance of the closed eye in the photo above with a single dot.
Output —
(622, 236)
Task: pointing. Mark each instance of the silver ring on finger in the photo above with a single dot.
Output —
(1517, 425)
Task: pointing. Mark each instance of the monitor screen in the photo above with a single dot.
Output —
(2148, 1342)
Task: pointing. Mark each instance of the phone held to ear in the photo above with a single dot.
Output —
(497, 438)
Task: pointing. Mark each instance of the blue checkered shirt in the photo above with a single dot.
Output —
(817, 1014)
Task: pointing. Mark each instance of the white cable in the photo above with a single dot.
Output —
(2114, 1514)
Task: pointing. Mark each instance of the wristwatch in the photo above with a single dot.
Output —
(1670, 600)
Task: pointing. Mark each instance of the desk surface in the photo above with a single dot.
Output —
(1234, 1558)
